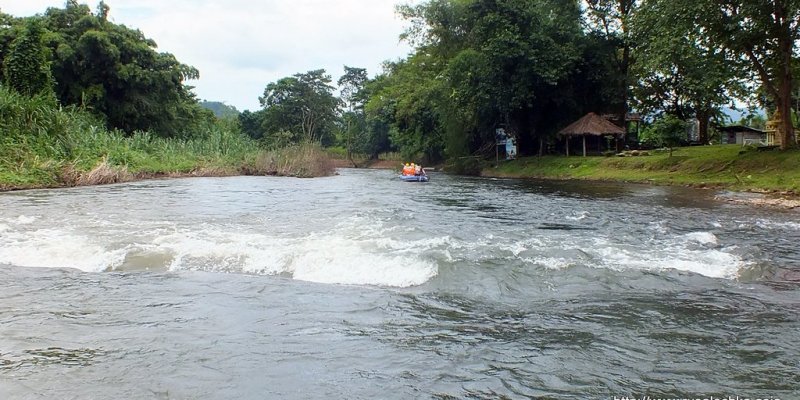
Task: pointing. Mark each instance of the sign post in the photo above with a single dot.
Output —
(500, 140)
(503, 139)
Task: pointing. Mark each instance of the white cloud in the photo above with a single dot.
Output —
(240, 46)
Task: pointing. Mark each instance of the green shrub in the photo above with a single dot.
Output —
(44, 144)
(471, 166)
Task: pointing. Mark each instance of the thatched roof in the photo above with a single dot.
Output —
(592, 124)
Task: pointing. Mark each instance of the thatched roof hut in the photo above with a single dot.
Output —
(591, 124)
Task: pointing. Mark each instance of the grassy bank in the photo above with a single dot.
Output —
(724, 166)
(45, 145)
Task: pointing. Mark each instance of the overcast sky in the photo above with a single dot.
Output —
(240, 46)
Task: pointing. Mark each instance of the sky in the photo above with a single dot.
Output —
(240, 46)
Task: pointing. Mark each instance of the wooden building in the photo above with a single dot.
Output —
(740, 134)
(594, 127)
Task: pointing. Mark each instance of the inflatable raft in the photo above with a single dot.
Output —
(414, 178)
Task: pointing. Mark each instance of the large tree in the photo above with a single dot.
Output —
(351, 86)
(116, 71)
(677, 74)
(611, 18)
(112, 71)
(761, 34)
(302, 104)
(408, 100)
(503, 62)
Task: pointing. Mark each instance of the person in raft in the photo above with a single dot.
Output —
(408, 169)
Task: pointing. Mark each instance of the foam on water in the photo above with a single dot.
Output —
(579, 217)
(709, 262)
(359, 251)
(339, 260)
(768, 224)
(57, 248)
(679, 252)
(697, 252)
(24, 220)
(702, 238)
(362, 249)
(323, 258)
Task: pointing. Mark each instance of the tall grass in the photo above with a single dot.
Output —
(43, 144)
(302, 160)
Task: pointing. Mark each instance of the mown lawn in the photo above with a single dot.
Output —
(729, 166)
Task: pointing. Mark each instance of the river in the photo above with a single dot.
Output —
(359, 286)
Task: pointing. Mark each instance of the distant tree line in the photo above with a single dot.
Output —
(528, 66)
(533, 66)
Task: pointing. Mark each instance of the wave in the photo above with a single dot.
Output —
(360, 250)
(334, 257)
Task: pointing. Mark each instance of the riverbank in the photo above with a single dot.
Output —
(773, 173)
(303, 161)
(45, 145)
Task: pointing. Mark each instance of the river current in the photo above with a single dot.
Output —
(360, 286)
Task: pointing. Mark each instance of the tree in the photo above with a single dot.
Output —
(677, 74)
(668, 131)
(504, 63)
(252, 123)
(116, 73)
(25, 67)
(378, 119)
(9, 30)
(303, 104)
(409, 101)
(352, 85)
(753, 120)
(760, 34)
(612, 19)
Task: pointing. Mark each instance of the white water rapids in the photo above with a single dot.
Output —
(362, 286)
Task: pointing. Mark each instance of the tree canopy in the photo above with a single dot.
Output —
(302, 104)
(530, 67)
(113, 71)
(533, 66)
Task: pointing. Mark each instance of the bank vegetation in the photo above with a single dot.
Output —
(46, 145)
(88, 100)
(733, 167)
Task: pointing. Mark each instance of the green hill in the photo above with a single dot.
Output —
(220, 109)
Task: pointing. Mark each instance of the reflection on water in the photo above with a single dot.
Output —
(361, 286)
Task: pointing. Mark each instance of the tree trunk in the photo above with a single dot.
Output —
(625, 8)
(786, 40)
(784, 100)
(349, 142)
(702, 129)
(625, 70)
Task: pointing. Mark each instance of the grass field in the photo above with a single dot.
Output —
(723, 166)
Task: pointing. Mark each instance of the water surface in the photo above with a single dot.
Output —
(361, 286)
